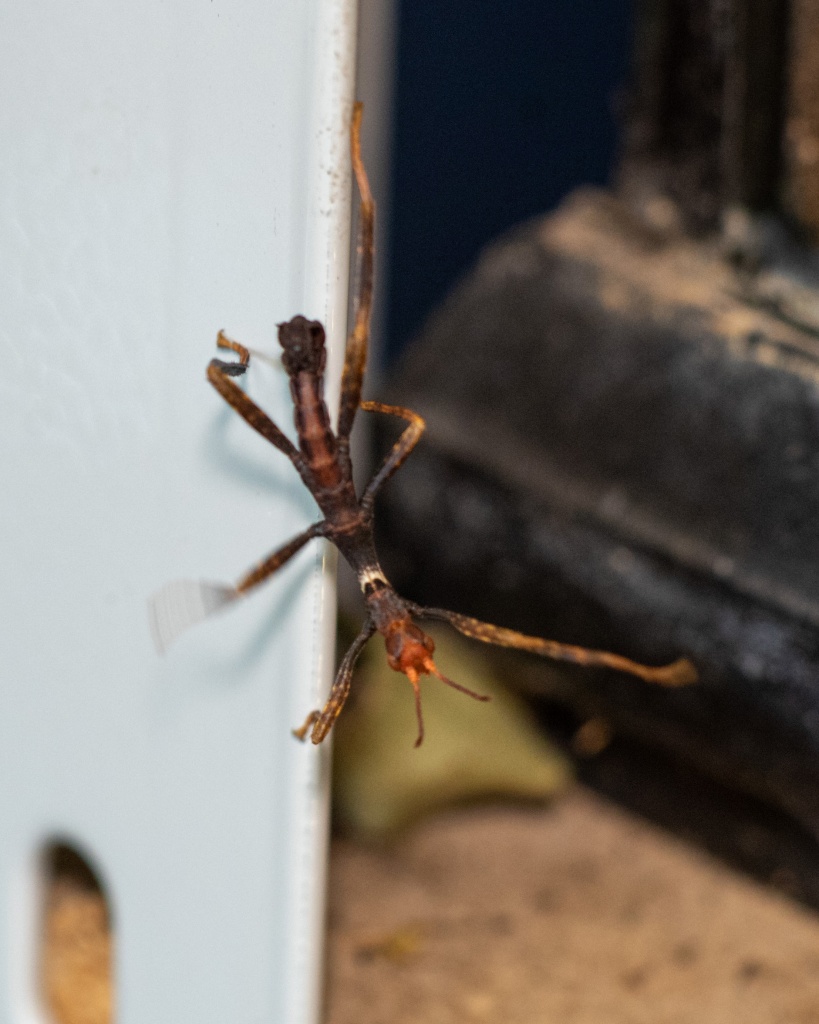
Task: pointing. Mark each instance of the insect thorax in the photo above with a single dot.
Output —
(386, 608)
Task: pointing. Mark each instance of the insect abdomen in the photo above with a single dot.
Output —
(316, 438)
(303, 357)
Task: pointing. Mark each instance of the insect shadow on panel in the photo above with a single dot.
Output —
(322, 460)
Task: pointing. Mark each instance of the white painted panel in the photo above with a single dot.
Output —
(166, 170)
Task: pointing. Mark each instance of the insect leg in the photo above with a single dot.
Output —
(400, 451)
(232, 369)
(679, 673)
(219, 374)
(356, 355)
(184, 603)
(322, 721)
(244, 353)
(265, 569)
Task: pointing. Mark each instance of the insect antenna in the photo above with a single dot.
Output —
(267, 357)
(419, 714)
(459, 687)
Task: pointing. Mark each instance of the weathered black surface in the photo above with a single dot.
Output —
(621, 453)
(749, 834)
(706, 105)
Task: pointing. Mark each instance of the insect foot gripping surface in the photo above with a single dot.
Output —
(678, 673)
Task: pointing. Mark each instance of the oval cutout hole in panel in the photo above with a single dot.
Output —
(76, 940)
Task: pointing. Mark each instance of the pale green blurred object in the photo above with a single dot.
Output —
(472, 750)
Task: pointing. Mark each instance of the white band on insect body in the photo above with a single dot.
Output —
(371, 577)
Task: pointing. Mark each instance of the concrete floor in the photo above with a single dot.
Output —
(578, 914)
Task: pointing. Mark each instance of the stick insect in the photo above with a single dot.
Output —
(322, 460)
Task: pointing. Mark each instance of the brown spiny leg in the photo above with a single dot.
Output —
(219, 374)
(356, 355)
(265, 569)
(322, 721)
(399, 452)
(679, 673)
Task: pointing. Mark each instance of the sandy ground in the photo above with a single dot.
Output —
(580, 914)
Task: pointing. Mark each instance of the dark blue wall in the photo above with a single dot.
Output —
(501, 108)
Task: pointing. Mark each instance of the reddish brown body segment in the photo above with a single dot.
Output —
(317, 442)
(323, 462)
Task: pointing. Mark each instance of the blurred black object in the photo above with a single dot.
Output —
(622, 453)
(623, 429)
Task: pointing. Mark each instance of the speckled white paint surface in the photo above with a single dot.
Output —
(166, 170)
